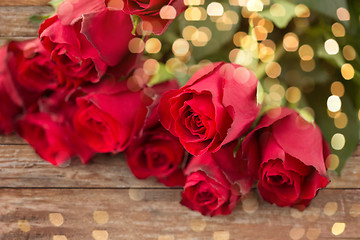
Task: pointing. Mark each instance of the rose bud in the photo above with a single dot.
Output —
(216, 106)
(80, 44)
(25, 72)
(287, 155)
(157, 153)
(212, 188)
(156, 15)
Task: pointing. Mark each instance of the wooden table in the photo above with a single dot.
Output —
(104, 201)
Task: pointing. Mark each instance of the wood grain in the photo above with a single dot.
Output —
(32, 189)
(20, 166)
(156, 213)
(14, 21)
(23, 2)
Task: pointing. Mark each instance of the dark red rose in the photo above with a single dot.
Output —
(215, 182)
(50, 131)
(86, 39)
(287, 155)
(156, 15)
(25, 72)
(215, 107)
(157, 153)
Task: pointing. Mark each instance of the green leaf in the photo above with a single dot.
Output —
(38, 19)
(218, 40)
(163, 75)
(280, 21)
(317, 100)
(135, 20)
(326, 7)
(55, 3)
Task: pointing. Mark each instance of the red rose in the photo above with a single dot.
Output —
(82, 40)
(50, 132)
(25, 72)
(152, 11)
(216, 106)
(157, 153)
(287, 154)
(212, 188)
(110, 115)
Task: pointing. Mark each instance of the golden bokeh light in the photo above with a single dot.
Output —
(293, 94)
(338, 228)
(349, 53)
(343, 14)
(233, 55)
(188, 31)
(199, 38)
(338, 30)
(177, 67)
(168, 12)
(255, 5)
(337, 88)
(332, 162)
(24, 225)
(245, 12)
(136, 45)
(266, 52)
(180, 47)
(237, 38)
(306, 52)
(331, 47)
(224, 23)
(302, 11)
(249, 43)
(193, 2)
(276, 92)
(195, 14)
(334, 103)
(273, 69)
(268, 25)
(347, 71)
(340, 120)
(215, 9)
(307, 66)
(153, 46)
(277, 10)
(338, 141)
(151, 67)
(244, 57)
(260, 33)
(291, 42)
(233, 16)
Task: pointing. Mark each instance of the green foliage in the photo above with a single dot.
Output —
(218, 38)
(55, 4)
(325, 7)
(317, 100)
(283, 20)
(38, 19)
(162, 75)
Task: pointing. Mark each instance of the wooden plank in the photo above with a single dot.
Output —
(23, 2)
(14, 21)
(156, 214)
(20, 167)
(12, 139)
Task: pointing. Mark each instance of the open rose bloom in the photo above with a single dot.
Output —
(287, 155)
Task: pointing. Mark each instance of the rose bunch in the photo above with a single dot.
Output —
(78, 90)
